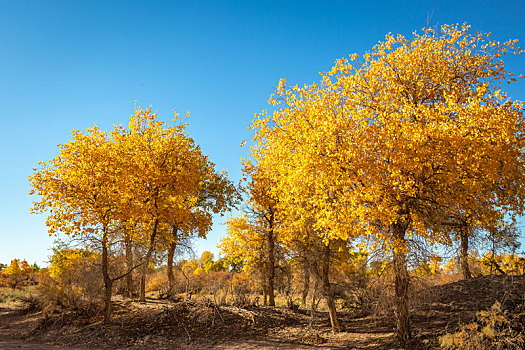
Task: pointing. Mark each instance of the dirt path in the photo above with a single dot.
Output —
(13, 326)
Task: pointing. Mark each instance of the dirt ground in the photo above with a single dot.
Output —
(159, 324)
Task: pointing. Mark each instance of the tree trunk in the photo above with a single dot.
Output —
(271, 261)
(129, 265)
(314, 294)
(265, 294)
(402, 281)
(108, 282)
(327, 289)
(147, 258)
(464, 233)
(306, 284)
(187, 289)
(169, 269)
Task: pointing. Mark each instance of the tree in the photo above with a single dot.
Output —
(216, 196)
(18, 273)
(172, 184)
(418, 128)
(79, 191)
(13, 268)
(128, 183)
(246, 244)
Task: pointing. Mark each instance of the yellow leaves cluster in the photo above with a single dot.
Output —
(417, 131)
(149, 172)
(18, 267)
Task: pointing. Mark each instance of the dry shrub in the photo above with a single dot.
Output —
(375, 298)
(493, 329)
(76, 285)
(243, 290)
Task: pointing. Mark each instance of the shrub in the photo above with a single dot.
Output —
(493, 329)
(72, 282)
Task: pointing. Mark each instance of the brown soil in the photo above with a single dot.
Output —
(159, 324)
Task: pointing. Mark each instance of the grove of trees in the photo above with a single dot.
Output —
(134, 184)
(415, 138)
(413, 145)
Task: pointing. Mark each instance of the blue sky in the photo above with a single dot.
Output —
(70, 64)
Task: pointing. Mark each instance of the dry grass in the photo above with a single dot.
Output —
(202, 324)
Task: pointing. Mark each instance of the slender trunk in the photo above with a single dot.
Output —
(129, 265)
(327, 289)
(169, 269)
(171, 253)
(271, 260)
(464, 233)
(187, 289)
(265, 294)
(142, 296)
(402, 281)
(314, 293)
(306, 284)
(108, 282)
(493, 253)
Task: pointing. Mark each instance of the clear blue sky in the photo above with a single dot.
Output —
(70, 64)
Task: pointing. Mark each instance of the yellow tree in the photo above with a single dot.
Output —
(13, 268)
(262, 208)
(169, 182)
(246, 243)
(216, 195)
(79, 191)
(282, 173)
(102, 184)
(418, 126)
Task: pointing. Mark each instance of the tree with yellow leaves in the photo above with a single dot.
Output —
(144, 177)
(79, 191)
(417, 128)
(172, 183)
(246, 244)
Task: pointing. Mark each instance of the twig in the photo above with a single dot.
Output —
(187, 333)
(218, 312)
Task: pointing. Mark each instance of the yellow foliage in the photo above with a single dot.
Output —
(415, 132)
(13, 268)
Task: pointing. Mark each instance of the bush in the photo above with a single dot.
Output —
(493, 329)
(73, 282)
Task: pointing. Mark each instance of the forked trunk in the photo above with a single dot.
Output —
(169, 268)
(402, 281)
(327, 290)
(306, 285)
(314, 294)
(147, 258)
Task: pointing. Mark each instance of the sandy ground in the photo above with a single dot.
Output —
(165, 325)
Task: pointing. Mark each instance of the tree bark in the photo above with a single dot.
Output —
(265, 293)
(169, 269)
(108, 282)
(327, 289)
(147, 258)
(402, 281)
(306, 284)
(129, 265)
(171, 253)
(271, 260)
(465, 269)
(314, 293)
